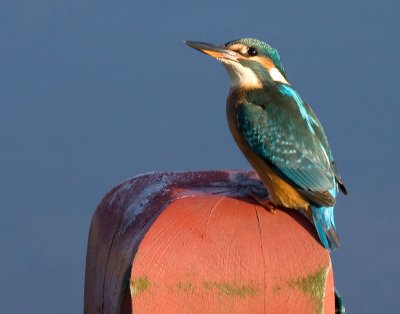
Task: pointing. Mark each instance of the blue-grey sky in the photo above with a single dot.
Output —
(94, 92)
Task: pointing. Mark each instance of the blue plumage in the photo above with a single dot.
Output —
(279, 133)
(283, 130)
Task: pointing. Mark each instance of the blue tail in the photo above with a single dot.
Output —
(325, 224)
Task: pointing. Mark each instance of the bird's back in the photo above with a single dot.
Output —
(269, 124)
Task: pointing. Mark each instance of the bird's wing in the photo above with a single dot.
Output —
(324, 141)
(280, 130)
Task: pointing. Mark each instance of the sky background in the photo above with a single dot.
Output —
(94, 92)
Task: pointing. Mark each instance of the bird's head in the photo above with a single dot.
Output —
(250, 62)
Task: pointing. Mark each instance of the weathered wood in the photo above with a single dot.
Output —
(204, 247)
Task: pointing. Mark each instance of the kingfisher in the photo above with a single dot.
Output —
(279, 134)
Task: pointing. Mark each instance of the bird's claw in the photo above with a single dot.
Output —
(266, 202)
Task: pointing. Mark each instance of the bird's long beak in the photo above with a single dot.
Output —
(218, 52)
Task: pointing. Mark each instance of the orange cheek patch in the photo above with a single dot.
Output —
(266, 62)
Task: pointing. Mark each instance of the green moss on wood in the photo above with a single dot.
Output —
(276, 289)
(139, 285)
(230, 290)
(185, 286)
(313, 285)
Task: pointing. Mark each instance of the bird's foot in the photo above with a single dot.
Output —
(265, 202)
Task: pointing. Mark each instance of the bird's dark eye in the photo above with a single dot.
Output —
(252, 51)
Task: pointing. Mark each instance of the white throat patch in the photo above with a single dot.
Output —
(240, 75)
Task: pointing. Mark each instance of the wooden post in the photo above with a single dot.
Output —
(196, 243)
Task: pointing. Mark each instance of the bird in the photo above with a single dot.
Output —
(279, 134)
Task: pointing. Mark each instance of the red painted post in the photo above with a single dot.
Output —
(195, 243)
